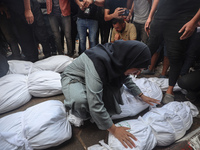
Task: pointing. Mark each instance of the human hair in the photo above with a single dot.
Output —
(118, 20)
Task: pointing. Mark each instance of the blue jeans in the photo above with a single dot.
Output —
(82, 26)
(63, 22)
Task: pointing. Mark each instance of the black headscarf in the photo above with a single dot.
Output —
(111, 60)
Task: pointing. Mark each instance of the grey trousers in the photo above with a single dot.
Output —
(83, 90)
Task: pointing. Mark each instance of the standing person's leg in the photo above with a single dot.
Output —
(154, 42)
(143, 34)
(105, 31)
(25, 37)
(156, 36)
(165, 64)
(104, 26)
(82, 32)
(66, 26)
(74, 33)
(55, 22)
(138, 30)
(151, 69)
(7, 29)
(93, 28)
(50, 35)
(40, 29)
(176, 49)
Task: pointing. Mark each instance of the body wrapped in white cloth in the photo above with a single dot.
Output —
(40, 126)
(159, 126)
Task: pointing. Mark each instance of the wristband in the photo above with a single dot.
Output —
(140, 94)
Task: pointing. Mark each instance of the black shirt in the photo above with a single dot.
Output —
(16, 6)
(92, 13)
(113, 4)
(172, 9)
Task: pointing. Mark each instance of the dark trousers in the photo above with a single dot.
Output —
(176, 48)
(190, 82)
(74, 33)
(25, 36)
(192, 53)
(7, 29)
(39, 28)
(3, 66)
(141, 34)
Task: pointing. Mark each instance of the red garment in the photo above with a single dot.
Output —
(64, 7)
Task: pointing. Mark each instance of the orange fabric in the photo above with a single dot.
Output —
(64, 7)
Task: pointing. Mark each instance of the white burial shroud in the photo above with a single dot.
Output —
(54, 63)
(158, 127)
(38, 127)
(133, 105)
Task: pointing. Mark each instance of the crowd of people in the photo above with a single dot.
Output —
(138, 28)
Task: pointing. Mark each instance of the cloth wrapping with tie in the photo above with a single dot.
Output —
(158, 127)
(38, 127)
(18, 89)
(134, 105)
(53, 63)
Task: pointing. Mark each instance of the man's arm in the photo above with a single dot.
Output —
(151, 14)
(130, 13)
(116, 14)
(27, 12)
(190, 26)
(150, 2)
(81, 4)
(129, 3)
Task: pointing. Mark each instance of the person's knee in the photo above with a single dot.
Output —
(79, 103)
(183, 82)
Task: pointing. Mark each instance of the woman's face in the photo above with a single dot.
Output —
(133, 71)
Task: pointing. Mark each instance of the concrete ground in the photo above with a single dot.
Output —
(89, 134)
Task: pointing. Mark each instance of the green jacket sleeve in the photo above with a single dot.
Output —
(132, 86)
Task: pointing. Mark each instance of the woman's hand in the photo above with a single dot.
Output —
(149, 100)
(123, 136)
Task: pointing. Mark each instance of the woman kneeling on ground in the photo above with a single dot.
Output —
(92, 83)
